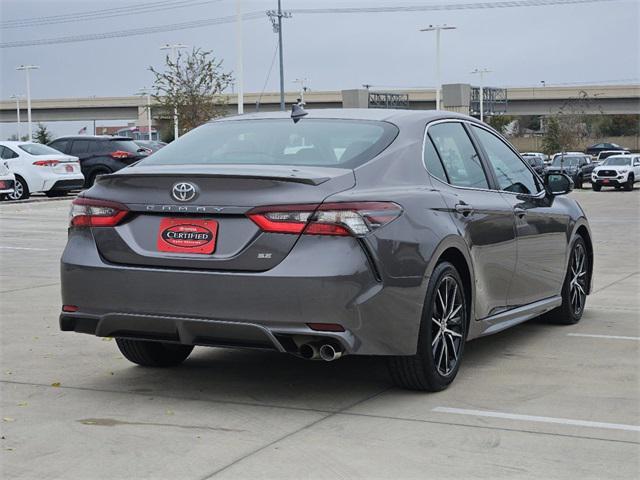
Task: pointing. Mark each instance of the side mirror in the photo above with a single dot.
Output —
(636, 163)
(558, 183)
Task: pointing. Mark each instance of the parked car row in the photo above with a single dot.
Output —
(66, 163)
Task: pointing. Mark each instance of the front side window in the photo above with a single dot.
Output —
(511, 172)
(79, 146)
(312, 142)
(459, 157)
(60, 145)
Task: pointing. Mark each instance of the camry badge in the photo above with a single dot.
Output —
(184, 191)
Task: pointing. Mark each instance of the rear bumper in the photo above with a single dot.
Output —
(322, 280)
(66, 183)
(7, 186)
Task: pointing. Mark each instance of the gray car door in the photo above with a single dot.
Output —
(480, 214)
(541, 227)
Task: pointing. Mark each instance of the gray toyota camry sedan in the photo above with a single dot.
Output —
(336, 232)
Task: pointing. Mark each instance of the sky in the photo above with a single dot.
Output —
(561, 44)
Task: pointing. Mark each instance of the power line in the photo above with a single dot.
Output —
(256, 14)
(441, 7)
(105, 13)
(133, 32)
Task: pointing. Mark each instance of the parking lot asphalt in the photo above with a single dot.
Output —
(536, 401)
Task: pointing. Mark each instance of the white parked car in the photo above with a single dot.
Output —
(620, 171)
(39, 168)
(7, 180)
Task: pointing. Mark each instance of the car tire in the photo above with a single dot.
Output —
(56, 193)
(574, 288)
(153, 354)
(91, 178)
(628, 186)
(578, 182)
(426, 370)
(596, 187)
(21, 191)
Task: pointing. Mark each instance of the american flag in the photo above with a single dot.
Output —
(82, 130)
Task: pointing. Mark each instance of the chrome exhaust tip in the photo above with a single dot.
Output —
(329, 353)
(309, 351)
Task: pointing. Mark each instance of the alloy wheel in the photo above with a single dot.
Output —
(18, 191)
(578, 283)
(447, 323)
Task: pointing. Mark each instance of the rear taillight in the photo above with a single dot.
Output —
(46, 163)
(121, 154)
(89, 212)
(342, 219)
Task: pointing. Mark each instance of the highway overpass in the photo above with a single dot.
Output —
(606, 99)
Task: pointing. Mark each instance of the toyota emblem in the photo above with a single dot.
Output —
(184, 191)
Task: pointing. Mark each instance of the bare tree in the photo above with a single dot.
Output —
(192, 84)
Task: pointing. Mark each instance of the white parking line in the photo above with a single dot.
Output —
(25, 248)
(533, 418)
(613, 337)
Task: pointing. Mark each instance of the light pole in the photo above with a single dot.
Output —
(239, 53)
(276, 21)
(17, 97)
(174, 55)
(147, 92)
(27, 69)
(437, 29)
(481, 72)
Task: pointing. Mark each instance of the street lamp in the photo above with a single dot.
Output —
(17, 98)
(481, 72)
(27, 69)
(239, 61)
(174, 53)
(437, 29)
(147, 92)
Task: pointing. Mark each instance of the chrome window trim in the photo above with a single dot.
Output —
(542, 193)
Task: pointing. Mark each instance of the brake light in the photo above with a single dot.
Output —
(46, 163)
(121, 154)
(89, 212)
(337, 219)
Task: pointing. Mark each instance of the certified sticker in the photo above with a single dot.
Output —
(187, 235)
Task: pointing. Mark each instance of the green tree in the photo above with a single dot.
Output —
(192, 84)
(42, 135)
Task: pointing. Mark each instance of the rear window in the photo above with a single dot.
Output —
(313, 142)
(122, 145)
(38, 149)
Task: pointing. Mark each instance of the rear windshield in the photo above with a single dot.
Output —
(567, 161)
(123, 145)
(38, 149)
(617, 161)
(314, 142)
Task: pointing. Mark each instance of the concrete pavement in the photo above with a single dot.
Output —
(536, 401)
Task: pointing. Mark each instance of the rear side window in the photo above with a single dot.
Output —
(99, 146)
(459, 157)
(80, 146)
(7, 153)
(121, 145)
(511, 172)
(313, 142)
(432, 161)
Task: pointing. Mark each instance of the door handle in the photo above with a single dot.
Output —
(520, 212)
(464, 209)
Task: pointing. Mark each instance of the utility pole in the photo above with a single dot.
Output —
(239, 59)
(27, 69)
(481, 72)
(146, 91)
(174, 57)
(437, 29)
(17, 97)
(276, 21)
(303, 88)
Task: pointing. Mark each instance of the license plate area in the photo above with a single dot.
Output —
(187, 235)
